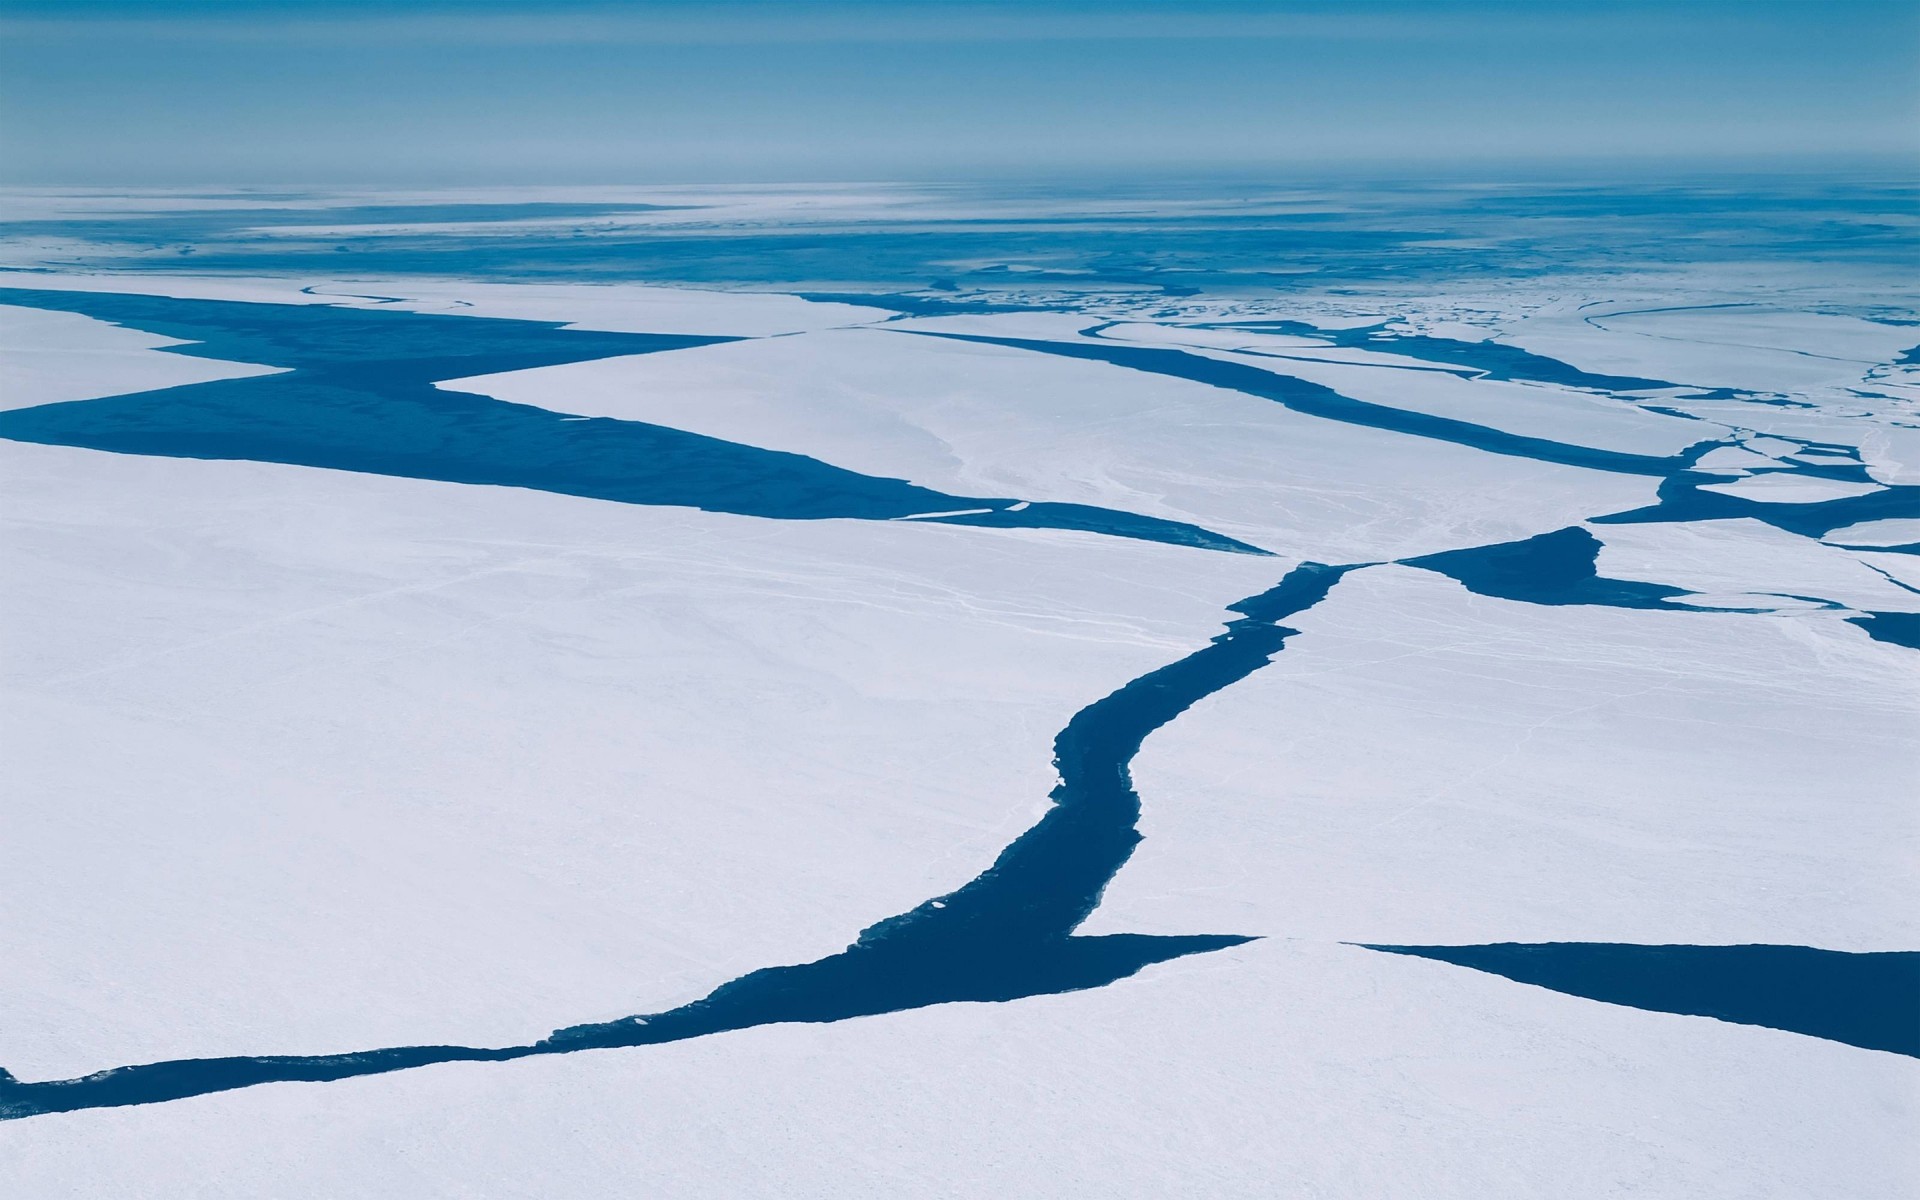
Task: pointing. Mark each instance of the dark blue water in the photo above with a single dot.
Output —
(1560, 568)
(1007, 934)
(1895, 628)
(1682, 499)
(361, 398)
(1909, 548)
(328, 339)
(1317, 400)
(1553, 568)
(1483, 360)
(1681, 494)
(1867, 1000)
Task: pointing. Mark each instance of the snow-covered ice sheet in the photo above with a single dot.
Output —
(1894, 532)
(50, 357)
(1747, 557)
(1383, 378)
(397, 762)
(981, 419)
(1428, 766)
(1288, 1068)
(1718, 345)
(321, 761)
(1789, 489)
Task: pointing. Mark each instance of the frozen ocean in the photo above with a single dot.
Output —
(1186, 688)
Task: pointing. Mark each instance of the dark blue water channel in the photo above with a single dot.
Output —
(1894, 628)
(1867, 1000)
(1007, 934)
(1553, 568)
(1482, 360)
(1682, 497)
(1682, 494)
(1318, 400)
(361, 397)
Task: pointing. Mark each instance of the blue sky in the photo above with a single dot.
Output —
(194, 92)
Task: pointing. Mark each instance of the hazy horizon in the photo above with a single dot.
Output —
(164, 93)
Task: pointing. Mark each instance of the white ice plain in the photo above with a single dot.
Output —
(309, 761)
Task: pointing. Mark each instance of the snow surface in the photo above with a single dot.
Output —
(1713, 346)
(1745, 556)
(1425, 766)
(1893, 532)
(1790, 489)
(991, 420)
(1278, 1068)
(50, 357)
(398, 762)
(310, 761)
